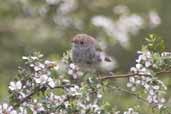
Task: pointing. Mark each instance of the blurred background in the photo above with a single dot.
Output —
(48, 26)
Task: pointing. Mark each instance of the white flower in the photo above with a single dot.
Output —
(151, 92)
(148, 54)
(154, 92)
(34, 57)
(154, 19)
(130, 111)
(162, 100)
(133, 69)
(143, 57)
(143, 83)
(147, 86)
(156, 87)
(22, 110)
(138, 66)
(70, 72)
(74, 71)
(13, 112)
(160, 106)
(25, 58)
(129, 84)
(37, 68)
(164, 54)
(148, 63)
(31, 65)
(51, 82)
(149, 99)
(15, 85)
(54, 99)
(41, 65)
(4, 106)
(6, 109)
(118, 112)
(132, 79)
(155, 100)
(144, 71)
(42, 79)
(73, 91)
(138, 81)
(133, 89)
(99, 95)
(72, 66)
(139, 59)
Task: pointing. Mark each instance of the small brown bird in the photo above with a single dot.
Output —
(85, 55)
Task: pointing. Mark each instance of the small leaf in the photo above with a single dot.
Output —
(155, 43)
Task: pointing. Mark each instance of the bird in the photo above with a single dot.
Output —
(86, 56)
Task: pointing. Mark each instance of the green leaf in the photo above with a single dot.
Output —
(154, 43)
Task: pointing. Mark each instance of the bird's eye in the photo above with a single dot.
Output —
(81, 42)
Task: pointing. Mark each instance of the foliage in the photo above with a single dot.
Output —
(119, 26)
(42, 87)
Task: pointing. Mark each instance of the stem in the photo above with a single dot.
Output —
(35, 91)
(128, 92)
(130, 75)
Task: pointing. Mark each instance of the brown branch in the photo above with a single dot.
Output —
(131, 75)
(122, 76)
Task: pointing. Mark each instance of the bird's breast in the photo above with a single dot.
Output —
(84, 55)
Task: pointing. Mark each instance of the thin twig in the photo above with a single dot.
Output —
(130, 75)
(35, 91)
(128, 92)
(122, 76)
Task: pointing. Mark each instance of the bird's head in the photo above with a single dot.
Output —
(83, 40)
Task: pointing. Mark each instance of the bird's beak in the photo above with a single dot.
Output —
(73, 41)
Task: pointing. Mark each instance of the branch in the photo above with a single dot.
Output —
(122, 76)
(38, 89)
(35, 91)
(131, 75)
(128, 92)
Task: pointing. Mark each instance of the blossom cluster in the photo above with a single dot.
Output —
(130, 111)
(74, 71)
(145, 77)
(127, 24)
(64, 15)
(43, 87)
(36, 79)
(5, 108)
(35, 75)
